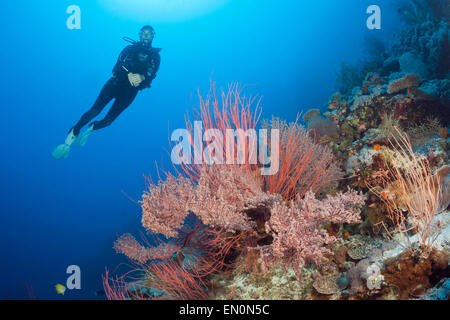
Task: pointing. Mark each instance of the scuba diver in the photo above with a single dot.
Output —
(134, 71)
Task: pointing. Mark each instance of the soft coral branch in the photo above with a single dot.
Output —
(304, 164)
(296, 228)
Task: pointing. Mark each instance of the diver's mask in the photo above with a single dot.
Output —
(147, 41)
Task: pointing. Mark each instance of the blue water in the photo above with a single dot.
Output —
(57, 213)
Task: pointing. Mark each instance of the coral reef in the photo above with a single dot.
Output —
(237, 213)
(426, 44)
(357, 209)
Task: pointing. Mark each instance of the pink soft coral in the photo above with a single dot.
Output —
(166, 205)
(219, 199)
(129, 246)
(221, 196)
(297, 234)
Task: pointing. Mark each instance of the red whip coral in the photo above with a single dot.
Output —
(304, 165)
(228, 110)
(176, 271)
(115, 288)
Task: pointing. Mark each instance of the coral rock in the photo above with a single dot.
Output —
(439, 292)
(357, 252)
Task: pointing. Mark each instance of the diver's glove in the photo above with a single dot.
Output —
(135, 79)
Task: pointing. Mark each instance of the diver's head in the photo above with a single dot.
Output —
(146, 35)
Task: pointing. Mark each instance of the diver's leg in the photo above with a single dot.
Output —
(123, 100)
(120, 104)
(106, 95)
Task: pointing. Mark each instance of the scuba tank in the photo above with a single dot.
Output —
(128, 39)
(132, 41)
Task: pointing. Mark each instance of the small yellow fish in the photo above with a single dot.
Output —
(60, 289)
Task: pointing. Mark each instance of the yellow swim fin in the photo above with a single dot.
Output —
(62, 151)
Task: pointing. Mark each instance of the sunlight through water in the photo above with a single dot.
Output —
(162, 10)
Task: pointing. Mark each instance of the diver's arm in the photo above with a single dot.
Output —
(135, 79)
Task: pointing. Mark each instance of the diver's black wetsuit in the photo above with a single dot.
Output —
(136, 58)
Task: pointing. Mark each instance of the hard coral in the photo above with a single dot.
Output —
(371, 81)
(428, 45)
(362, 101)
(326, 285)
(408, 81)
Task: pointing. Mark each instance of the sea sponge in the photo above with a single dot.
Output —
(321, 126)
(409, 81)
(311, 113)
(412, 275)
